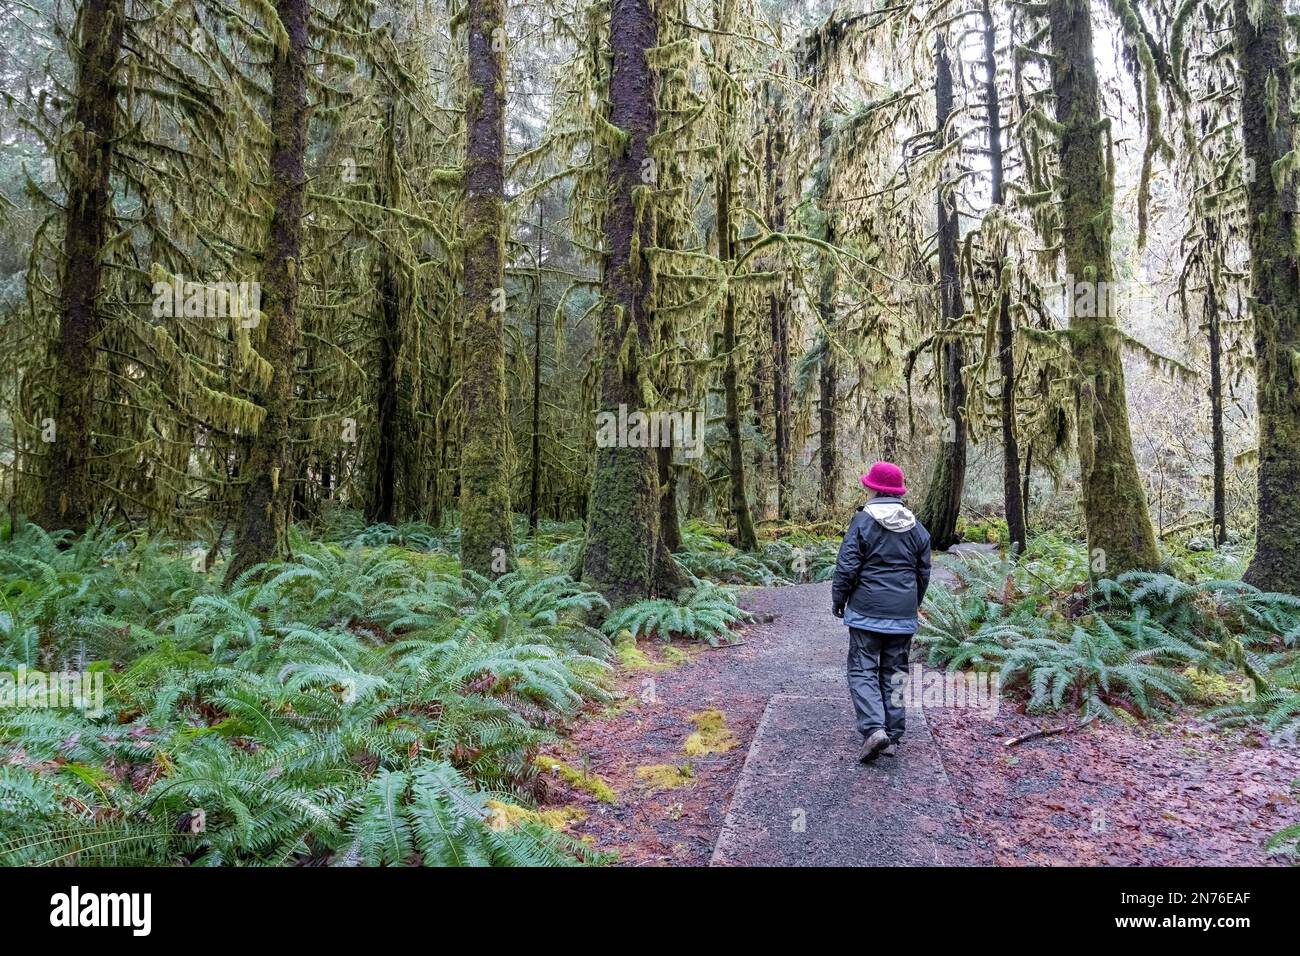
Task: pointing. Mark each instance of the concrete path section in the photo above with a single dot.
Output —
(804, 800)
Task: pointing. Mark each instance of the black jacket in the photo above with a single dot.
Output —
(882, 572)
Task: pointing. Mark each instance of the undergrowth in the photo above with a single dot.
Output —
(351, 706)
(1137, 643)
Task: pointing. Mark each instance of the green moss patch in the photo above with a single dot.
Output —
(711, 735)
(587, 783)
(665, 776)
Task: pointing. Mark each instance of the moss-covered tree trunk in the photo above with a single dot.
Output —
(1218, 452)
(746, 539)
(535, 464)
(778, 305)
(667, 231)
(623, 555)
(827, 387)
(724, 178)
(485, 544)
(827, 372)
(263, 510)
(1120, 536)
(942, 505)
(67, 498)
(1269, 137)
(670, 525)
(381, 505)
(1013, 496)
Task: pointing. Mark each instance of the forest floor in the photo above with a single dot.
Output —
(746, 755)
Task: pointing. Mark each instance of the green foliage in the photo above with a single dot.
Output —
(791, 560)
(350, 706)
(984, 531)
(704, 612)
(432, 815)
(1127, 644)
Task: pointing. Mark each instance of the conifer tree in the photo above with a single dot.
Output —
(1268, 128)
(484, 481)
(942, 504)
(725, 174)
(1120, 536)
(622, 555)
(98, 34)
(263, 509)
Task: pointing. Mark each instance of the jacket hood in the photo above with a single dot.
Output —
(891, 515)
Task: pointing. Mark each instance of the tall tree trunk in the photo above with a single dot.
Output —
(535, 472)
(1013, 499)
(1120, 537)
(670, 527)
(1214, 325)
(264, 507)
(724, 179)
(889, 433)
(383, 497)
(778, 301)
(1024, 493)
(67, 501)
(485, 544)
(746, 538)
(1269, 135)
(382, 501)
(779, 314)
(942, 504)
(624, 556)
(827, 385)
(827, 373)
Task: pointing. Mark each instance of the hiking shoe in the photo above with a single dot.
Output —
(891, 750)
(876, 741)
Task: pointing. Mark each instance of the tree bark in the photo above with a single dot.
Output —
(746, 538)
(67, 499)
(623, 556)
(1120, 537)
(942, 505)
(1269, 135)
(827, 373)
(381, 506)
(724, 178)
(1024, 493)
(1214, 326)
(383, 498)
(670, 529)
(827, 386)
(485, 542)
(264, 508)
(1013, 497)
(535, 472)
(779, 306)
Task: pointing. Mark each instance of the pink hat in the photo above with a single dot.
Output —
(886, 478)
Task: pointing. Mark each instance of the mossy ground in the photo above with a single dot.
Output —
(711, 736)
(634, 658)
(509, 815)
(577, 779)
(666, 776)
